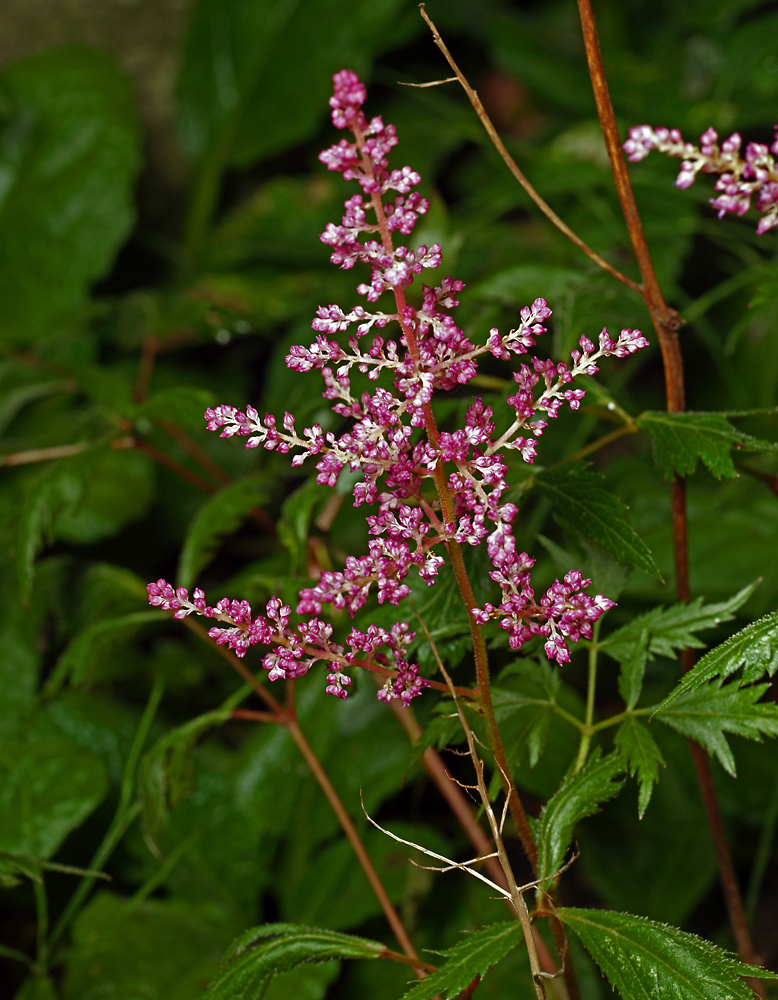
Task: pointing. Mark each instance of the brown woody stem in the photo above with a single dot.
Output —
(666, 322)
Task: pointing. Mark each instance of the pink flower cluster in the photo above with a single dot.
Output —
(296, 650)
(740, 178)
(392, 440)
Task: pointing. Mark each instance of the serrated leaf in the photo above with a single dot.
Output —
(92, 643)
(672, 628)
(69, 155)
(641, 756)
(755, 648)
(167, 770)
(221, 515)
(473, 956)
(46, 497)
(680, 440)
(263, 952)
(579, 795)
(644, 959)
(708, 712)
(633, 669)
(577, 494)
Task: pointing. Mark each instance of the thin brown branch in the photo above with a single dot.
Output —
(464, 814)
(511, 164)
(285, 718)
(170, 463)
(666, 322)
(33, 455)
(193, 449)
(665, 319)
(237, 665)
(391, 914)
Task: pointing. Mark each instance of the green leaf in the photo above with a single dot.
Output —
(578, 497)
(167, 770)
(37, 987)
(641, 757)
(92, 644)
(263, 952)
(69, 155)
(240, 54)
(183, 404)
(118, 488)
(706, 713)
(633, 669)
(221, 515)
(45, 498)
(755, 648)
(644, 959)
(473, 956)
(580, 794)
(155, 949)
(294, 524)
(671, 628)
(681, 439)
(49, 786)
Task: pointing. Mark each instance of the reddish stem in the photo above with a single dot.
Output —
(666, 324)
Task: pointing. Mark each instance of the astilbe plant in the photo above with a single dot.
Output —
(393, 442)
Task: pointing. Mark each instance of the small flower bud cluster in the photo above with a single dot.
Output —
(296, 650)
(391, 438)
(740, 178)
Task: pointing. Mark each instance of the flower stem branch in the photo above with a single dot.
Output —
(491, 131)
(666, 322)
(391, 914)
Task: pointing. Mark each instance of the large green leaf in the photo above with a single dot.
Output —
(221, 515)
(156, 949)
(755, 648)
(49, 786)
(580, 794)
(243, 85)
(680, 440)
(263, 952)
(69, 155)
(579, 498)
(472, 957)
(708, 712)
(644, 959)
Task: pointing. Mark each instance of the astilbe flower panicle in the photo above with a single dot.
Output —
(741, 178)
(391, 440)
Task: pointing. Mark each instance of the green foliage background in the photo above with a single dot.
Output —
(114, 339)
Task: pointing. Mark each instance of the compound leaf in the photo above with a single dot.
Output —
(644, 959)
(578, 496)
(680, 440)
(641, 757)
(706, 713)
(755, 648)
(672, 628)
(254, 958)
(473, 956)
(579, 795)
